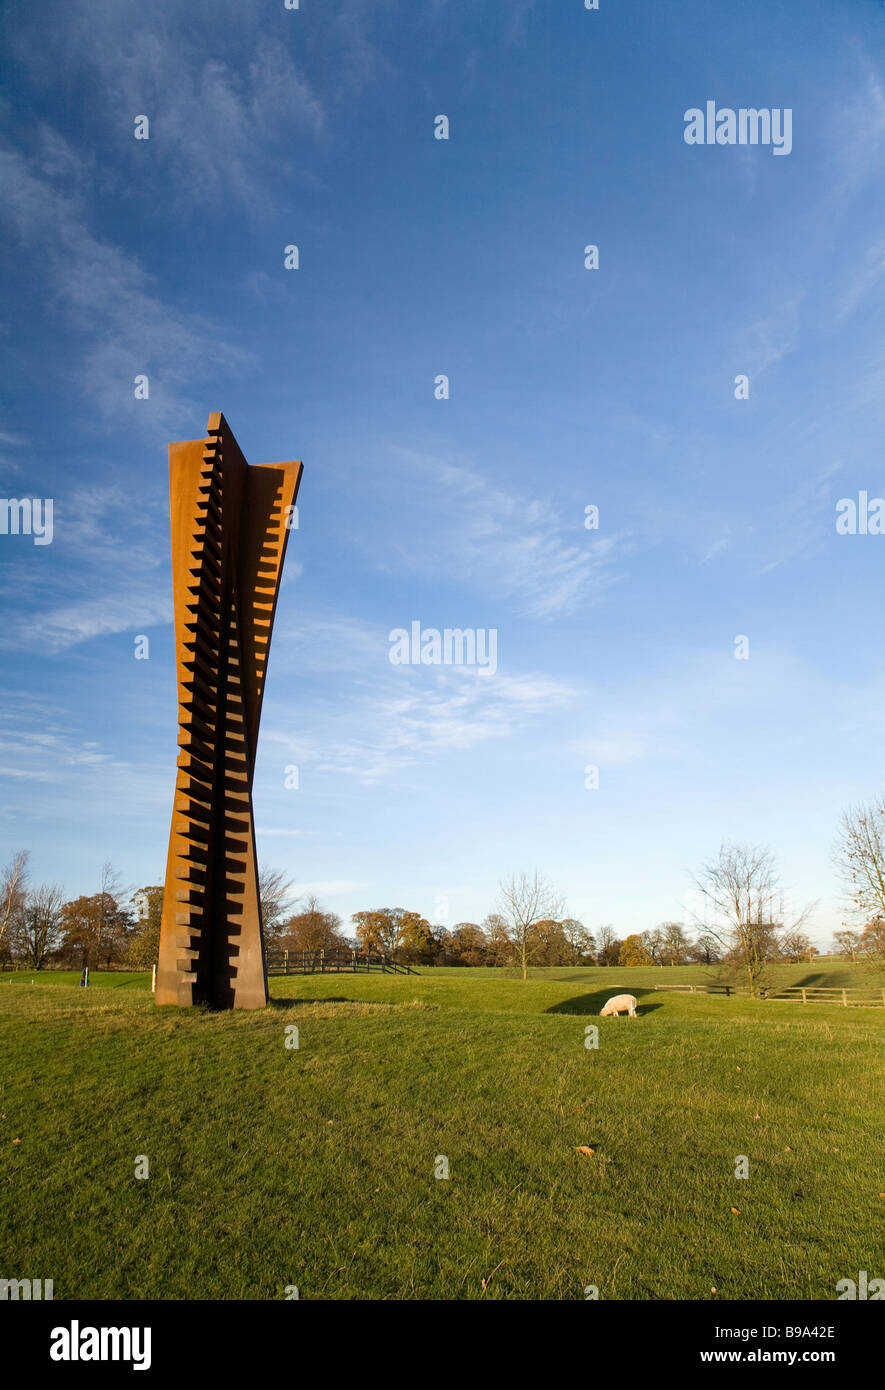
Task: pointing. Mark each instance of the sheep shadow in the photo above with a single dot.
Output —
(593, 1003)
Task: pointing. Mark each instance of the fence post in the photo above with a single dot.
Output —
(804, 997)
(845, 998)
(286, 962)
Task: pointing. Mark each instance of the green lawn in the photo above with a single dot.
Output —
(315, 1167)
(111, 979)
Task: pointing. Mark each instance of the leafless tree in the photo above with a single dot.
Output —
(113, 921)
(743, 901)
(706, 950)
(13, 890)
(524, 902)
(860, 857)
(41, 922)
(609, 949)
(274, 892)
(795, 946)
(675, 945)
(653, 941)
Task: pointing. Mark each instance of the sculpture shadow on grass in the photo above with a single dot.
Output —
(821, 979)
(589, 1004)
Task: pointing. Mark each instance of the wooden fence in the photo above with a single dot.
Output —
(820, 994)
(798, 994)
(333, 962)
(701, 989)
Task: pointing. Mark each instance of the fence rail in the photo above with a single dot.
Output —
(701, 989)
(804, 994)
(334, 962)
(823, 994)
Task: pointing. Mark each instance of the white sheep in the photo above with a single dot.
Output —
(619, 1003)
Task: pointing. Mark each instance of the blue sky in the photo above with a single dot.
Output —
(424, 786)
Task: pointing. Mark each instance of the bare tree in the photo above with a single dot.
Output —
(653, 943)
(274, 893)
(706, 950)
(41, 923)
(860, 857)
(609, 950)
(675, 944)
(114, 922)
(795, 946)
(524, 902)
(13, 890)
(743, 899)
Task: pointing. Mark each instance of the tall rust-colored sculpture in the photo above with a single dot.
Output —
(230, 524)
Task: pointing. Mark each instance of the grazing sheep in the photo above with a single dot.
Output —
(619, 1002)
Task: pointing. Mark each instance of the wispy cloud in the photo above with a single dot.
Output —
(111, 302)
(771, 336)
(411, 715)
(99, 576)
(63, 626)
(509, 545)
(222, 124)
(855, 136)
(865, 279)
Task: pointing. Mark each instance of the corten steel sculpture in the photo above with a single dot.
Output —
(230, 524)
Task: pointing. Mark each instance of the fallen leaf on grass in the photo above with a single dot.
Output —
(16, 1141)
(583, 1149)
(735, 1210)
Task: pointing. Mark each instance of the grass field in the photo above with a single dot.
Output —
(272, 1167)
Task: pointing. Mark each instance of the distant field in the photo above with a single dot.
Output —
(315, 1167)
(98, 979)
(825, 971)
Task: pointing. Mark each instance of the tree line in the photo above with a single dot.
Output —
(740, 921)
